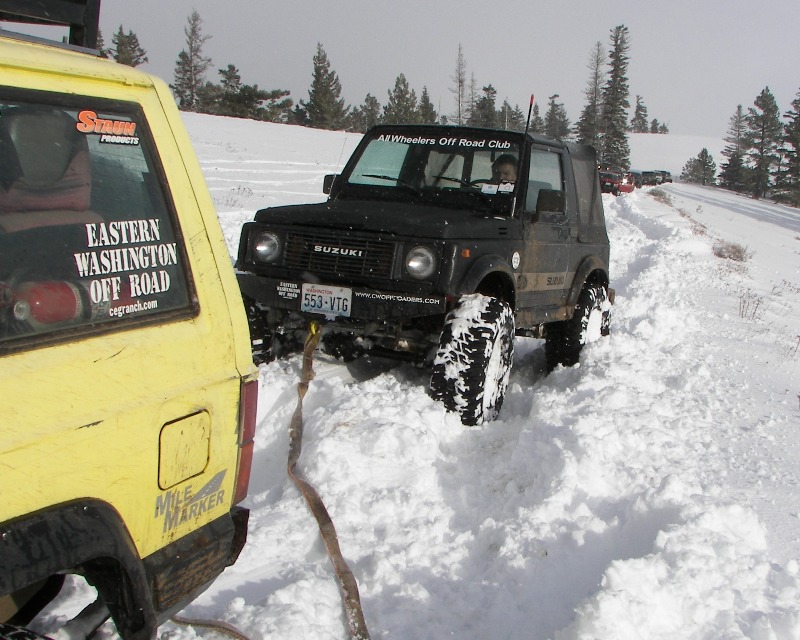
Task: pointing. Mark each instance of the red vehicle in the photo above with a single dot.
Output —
(628, 183)
(610, 181)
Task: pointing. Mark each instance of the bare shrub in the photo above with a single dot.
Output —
(731, 251)
(662, 196)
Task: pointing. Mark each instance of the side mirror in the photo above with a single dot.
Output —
(328, 182)
(551, 201)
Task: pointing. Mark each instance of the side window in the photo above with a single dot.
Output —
(87, 240)
(545, 173)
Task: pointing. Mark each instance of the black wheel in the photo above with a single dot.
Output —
(564, 340)
(472, 364)
(10, 632)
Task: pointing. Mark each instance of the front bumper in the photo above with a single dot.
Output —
(365, 304)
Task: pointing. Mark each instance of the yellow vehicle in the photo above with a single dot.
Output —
(129, 391)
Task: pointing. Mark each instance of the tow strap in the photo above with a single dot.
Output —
(347, 582)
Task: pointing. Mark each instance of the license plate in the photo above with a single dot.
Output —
(329, 301)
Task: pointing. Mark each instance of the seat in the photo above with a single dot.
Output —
(46, 173)
(532, 195)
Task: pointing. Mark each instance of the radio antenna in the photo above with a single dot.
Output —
(530, 108)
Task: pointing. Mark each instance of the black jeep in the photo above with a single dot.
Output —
(438, 244)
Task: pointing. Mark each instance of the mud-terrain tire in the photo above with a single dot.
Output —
(473, 361)
(564, 340)
(10, 632)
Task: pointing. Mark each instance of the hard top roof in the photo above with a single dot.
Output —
(81, 16)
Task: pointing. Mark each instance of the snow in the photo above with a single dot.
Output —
(649, 492)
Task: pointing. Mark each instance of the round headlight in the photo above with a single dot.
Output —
(421, 262)
(267, 246)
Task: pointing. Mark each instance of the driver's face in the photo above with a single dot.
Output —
(505, 172)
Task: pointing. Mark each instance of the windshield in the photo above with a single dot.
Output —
(470, 169)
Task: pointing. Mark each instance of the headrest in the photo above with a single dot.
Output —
(44, 160)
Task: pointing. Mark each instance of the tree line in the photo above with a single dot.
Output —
(762, 153)
(603, 122)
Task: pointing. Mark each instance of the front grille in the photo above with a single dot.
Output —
(326, 253)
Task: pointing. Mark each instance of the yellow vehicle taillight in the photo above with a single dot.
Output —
(248, 403)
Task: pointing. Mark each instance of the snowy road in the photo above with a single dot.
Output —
(649, 492)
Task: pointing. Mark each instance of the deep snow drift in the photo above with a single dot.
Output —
(649, 492)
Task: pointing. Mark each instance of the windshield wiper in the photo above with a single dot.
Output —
(474, 187)
(400, 183)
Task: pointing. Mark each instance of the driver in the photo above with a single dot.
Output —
(504, 169)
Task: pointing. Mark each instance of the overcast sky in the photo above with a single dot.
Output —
(692, 61)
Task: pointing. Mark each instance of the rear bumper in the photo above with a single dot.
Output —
(181, 571)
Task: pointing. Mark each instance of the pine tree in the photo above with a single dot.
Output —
(556, 123)
(127, 50)
(484, 113)
(325, 108)
(763, 136)
(537, 123)
(663, 128)
(402, 105)
(426, 114)
(614, 139)
(101, 46)
(366, 116)
(654, 125)
(459, 90)
(734, 174)
(510, 118)
(233, 98)
(191, 67)
(639, 120)
(588, 127)
(700, 170)
(790, 178)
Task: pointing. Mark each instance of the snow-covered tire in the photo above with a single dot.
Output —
(473, 362)
(564, 340)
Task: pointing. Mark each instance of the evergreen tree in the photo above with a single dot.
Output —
(366, 116)
(191, 67)
(402, 105)
(790, 178)
(663, 128)
(700, 170)
(459, 90)
(510, 118)
(101, 46)
(426, 114)
(639, 120)
(484, 113)
(127, 50)
(734, 174)
(588, 127)
(614, 141)
(763, 136)
(654, 125)
(537, 123)
(556, 123)
(232, 98)
(325, 108)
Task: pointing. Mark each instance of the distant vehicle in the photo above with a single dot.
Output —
(650, 178)
(666, 176)
(610, 182)
(636, 177)
(628, 183)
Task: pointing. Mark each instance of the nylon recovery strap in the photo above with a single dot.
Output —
(347, 582)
